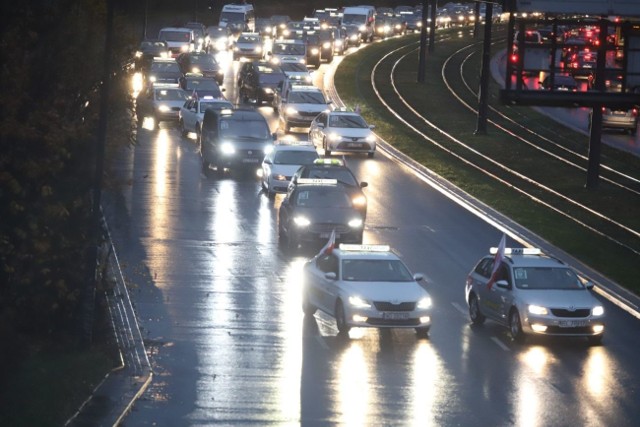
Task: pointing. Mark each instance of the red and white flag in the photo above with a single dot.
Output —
(331, 243)
(497, 260)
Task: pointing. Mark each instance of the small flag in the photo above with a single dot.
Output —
(331, 243)
(497, 261)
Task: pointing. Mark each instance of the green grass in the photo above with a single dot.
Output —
(434, 101)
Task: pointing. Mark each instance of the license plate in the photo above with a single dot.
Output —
(249, 160)
(354, 145)
(573, 323)
(395, 315)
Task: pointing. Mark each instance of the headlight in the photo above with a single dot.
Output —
(353, 37)
(398, 26)
(371, 138)
(235, 48)
(138, 54)
(338, 42)
(258, 48)
(359, 302)
(279, 177)
(326, 45)
(536, 309)
(227, 148)
(275, 60)
(355, 223)
(359, 200)
(291, 110)
(419, 24)
(301, 221)
(195, 70)
(268, 29)
(597, 310)
(334, 137)
(424, 303)
(152, 79)
(303, 61)
(164, 108)
(314, 51)
(268, 149)
(267, 90)
(362, 28)
(165, 55)
(286, 32)
(184, 47)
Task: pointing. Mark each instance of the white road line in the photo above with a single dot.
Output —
(500, 344)
(461, 309)
(322, 342)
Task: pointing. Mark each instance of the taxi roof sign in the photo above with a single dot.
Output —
(317, 181)
(325, 161)
(517, 251)
(364, 248)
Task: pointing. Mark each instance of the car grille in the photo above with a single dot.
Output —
(387, 306)
(327, 227)
(375, 321)
(582, 330)
(308, 113)
(562, 312)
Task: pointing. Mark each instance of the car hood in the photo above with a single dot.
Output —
(308, 107)
(171, 104)
(350, 132)
(338, 216)
(386, 291)
(558, 298)
(247, 45)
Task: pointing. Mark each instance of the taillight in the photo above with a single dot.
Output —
(634, 112)
(514, 58)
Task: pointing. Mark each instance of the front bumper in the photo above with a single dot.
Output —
(570, 327)
(392, 317)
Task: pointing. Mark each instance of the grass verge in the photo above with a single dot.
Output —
(436, 103)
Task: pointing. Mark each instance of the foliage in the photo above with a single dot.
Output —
(52, 56)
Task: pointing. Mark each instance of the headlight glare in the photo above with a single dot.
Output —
(536, 309)
(597, 310)
(301, 221)
(424, 303)
(227, 148)
(164, 108)
(358, 302)
(355, 223)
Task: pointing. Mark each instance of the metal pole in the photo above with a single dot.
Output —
(595, 143)
(483, 96)
(432, 30)
(476, 23)
(422, 66)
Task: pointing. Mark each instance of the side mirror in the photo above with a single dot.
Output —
(372, 127)
(274, 136)
(329, 101)
(503, 284)
(364, 184)
(588, 284)
(418, 277)
(222, 89)
(267, 161)
(320, 125)
(330, 275)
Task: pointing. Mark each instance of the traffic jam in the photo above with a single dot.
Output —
(180, 80)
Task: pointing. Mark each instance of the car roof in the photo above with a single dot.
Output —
(370, 252)
(541, 260)
(293, 147)
(304, 88)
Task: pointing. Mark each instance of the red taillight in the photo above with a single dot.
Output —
(514, 58)
(604, 109)
(634, 111)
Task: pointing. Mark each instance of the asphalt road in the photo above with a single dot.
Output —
(220, 310)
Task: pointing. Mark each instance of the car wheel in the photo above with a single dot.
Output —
(341, 320)
(515, 327)
(474, 311)
(422, 332)
(308, 308)
(183, 131)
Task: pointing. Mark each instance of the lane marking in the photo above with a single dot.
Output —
(461, 309)
(500, 344)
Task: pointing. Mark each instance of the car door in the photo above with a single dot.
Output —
(326, 288)
(497, 297)
(315, 130)
(189, 115)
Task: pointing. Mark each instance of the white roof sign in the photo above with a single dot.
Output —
(583, 7)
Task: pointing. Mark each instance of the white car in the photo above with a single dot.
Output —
(282, 162)
(366, 286)
(192, 112)
(296, 70)
(162, 102)
(248, 46)
(344, 131)
(533, 294)
(300, 106)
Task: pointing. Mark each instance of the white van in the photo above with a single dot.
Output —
(238, 18)
(362, 17)
(178, 39)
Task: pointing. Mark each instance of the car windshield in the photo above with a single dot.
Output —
(375, 270)
(203, 60)
(350, 19)
(271, 78)
(291, 157)
(288, 49)
(347, 121)
(165, 66)
(214, 105)
(323, 197)
(306, 97)
(546, 278)
(232, 17)
(202, 84)
(175, 36)
(248, 39)
(341, 175)
(250, 129)
(171, 95)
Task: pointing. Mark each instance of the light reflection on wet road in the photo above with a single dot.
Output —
(220, 309)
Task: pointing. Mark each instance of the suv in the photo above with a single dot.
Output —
(301, 105)
(533, 294)
(334, 169)
(234, 138)
(258, 80)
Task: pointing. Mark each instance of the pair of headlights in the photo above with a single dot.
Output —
(303, 221)
(359, 302)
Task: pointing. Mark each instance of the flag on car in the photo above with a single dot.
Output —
(331, 243)
(497, 260)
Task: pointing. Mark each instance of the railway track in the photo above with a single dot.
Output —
(544, 185)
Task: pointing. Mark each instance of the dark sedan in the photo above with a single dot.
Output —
(258, 80)
(202, 63)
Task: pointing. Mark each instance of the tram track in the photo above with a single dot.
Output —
(539, 190)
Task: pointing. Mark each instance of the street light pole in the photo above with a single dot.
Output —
(483, 97)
